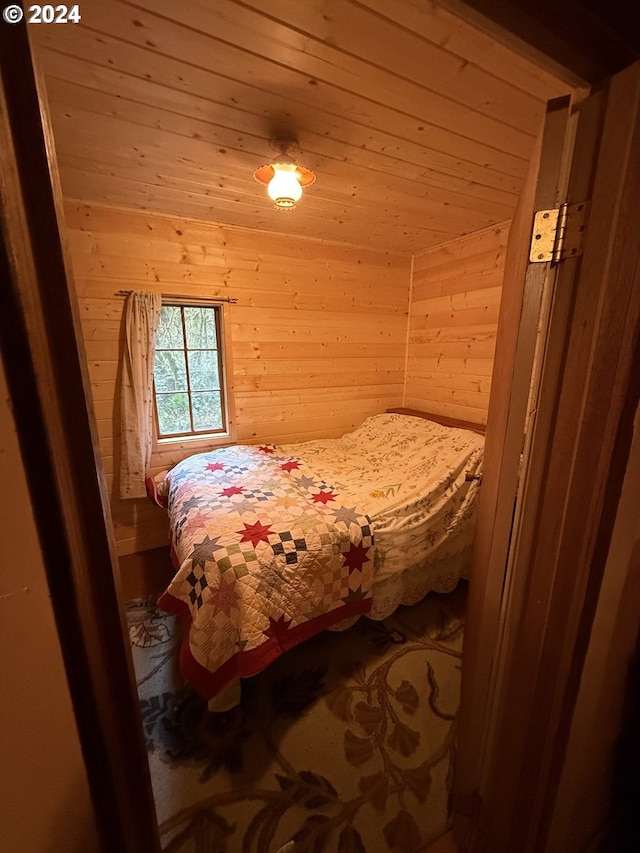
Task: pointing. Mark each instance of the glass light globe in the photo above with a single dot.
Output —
(284, 188)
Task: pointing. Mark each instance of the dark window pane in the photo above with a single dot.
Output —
(170, 372)
(207, 411)
(200, 324)
(173, 413)
(203, 370)
(169, 335)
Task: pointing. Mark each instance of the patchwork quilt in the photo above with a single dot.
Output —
(268, 554)
(275, 544)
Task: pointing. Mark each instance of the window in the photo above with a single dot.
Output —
(189, 372)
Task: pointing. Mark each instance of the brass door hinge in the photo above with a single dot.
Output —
(557, 233)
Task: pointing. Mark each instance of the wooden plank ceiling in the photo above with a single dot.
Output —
(418, 126)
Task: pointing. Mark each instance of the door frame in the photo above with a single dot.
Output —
(524, 647)
(523, 288)
(50, 397)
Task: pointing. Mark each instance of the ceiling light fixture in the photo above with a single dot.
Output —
(284, 179)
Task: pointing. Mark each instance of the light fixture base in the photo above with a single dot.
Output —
(286, 147)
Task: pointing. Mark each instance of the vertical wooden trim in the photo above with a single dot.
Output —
(593, 803)
(608, 395)
(515, 348)
(576, 467)
(230, 397)
(406, 345)
(542, 415)
(46, 374)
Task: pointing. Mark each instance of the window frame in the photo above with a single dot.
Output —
(226, 435)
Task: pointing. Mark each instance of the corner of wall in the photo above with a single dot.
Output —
(406, 349)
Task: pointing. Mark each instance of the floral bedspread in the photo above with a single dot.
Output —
(268, 554)
(408, 475)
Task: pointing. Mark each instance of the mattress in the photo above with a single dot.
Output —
(273, 544)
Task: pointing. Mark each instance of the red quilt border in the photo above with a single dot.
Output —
(253, 661)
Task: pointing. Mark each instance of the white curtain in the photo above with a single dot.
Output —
(142, 317)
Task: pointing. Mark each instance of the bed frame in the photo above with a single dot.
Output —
(440, 419)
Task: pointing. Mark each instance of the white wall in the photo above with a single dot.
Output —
(44, 796)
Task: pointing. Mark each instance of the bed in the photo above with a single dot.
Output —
(273, 544)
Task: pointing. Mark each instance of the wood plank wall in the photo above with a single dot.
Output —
(453, 317)
(318, 335)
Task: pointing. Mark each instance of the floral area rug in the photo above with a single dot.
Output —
(345, 744)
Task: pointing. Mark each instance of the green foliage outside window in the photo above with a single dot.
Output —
(187, 371)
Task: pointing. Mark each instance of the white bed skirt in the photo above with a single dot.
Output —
(411, 585)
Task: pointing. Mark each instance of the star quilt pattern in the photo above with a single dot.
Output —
(268, 554)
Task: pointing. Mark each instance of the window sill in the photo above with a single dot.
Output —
(194, 442)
